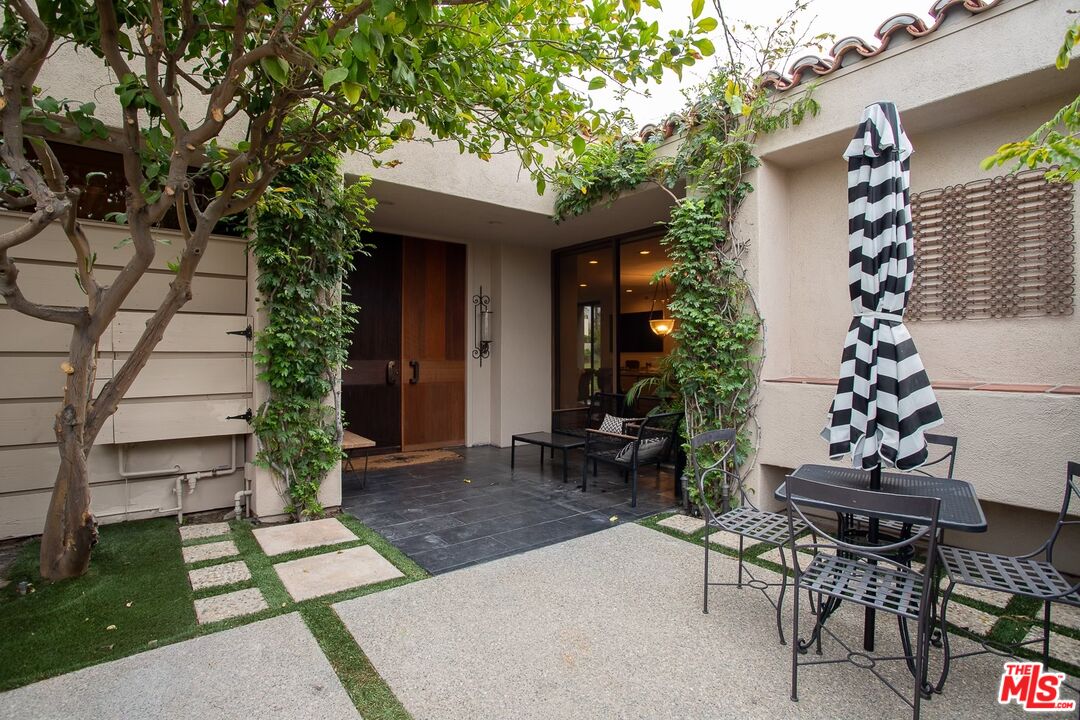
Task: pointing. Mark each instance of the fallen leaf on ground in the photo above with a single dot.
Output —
(127, 604)
(111, 627)
(468, 480)
(613, 518)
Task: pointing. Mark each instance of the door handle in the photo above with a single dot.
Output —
(393, 373)
(415, 365)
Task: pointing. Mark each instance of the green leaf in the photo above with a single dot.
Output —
(708, 24)
(705, 46)
(277, 68)
(597, 82)
(696, 8)
(217, 180)
(333, 77)
(48, 104)
(579, 145)
(351, 91)
(383, 8)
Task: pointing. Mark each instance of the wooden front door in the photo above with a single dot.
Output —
(405, 388)
(371, 386)
(433, 344)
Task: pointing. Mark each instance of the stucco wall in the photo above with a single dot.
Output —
(960, 98)
(521, 371)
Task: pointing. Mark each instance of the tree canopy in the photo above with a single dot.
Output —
(208, 91)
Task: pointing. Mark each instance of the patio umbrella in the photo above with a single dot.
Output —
(883, 402)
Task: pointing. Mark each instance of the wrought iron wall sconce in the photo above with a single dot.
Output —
(482, 340)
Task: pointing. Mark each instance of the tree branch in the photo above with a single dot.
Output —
(12, 294)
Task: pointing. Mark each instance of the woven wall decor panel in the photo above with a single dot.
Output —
(995, 248)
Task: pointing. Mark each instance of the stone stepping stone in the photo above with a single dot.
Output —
(1062, 647)
(281, 539)
(1066, 615)
(990, 597)
(773, 555)
(683, 523)
(223, 574)
(206, 530)
(731, 541)
(209, 551)
(970, 619)
(334, 571)
(229, 605)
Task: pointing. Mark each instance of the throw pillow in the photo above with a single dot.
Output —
(647, 450)
(612, 424)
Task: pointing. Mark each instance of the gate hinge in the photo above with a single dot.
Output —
(246, 416)
(247, 332)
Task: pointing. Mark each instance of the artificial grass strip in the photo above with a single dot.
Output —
(63, 626)
(370, 694)
(136, 584)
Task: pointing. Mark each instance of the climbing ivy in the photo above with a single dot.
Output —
(718, 350)
(307, 234)
(602, 172)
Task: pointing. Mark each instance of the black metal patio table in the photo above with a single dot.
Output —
(959, 510)
(552, 441)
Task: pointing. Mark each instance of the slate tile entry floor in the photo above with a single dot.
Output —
(444, 523)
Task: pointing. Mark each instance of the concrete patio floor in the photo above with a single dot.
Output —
(610, 626)
(266, 670)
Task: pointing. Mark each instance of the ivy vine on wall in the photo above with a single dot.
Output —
(307, 233)
(714, 367)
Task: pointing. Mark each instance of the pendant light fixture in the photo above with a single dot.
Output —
(660, 325)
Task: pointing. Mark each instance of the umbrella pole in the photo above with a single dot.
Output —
(871, 538)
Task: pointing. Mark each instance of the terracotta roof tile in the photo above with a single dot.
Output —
(850, 50)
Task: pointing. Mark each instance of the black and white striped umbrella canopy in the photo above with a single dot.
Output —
(884, 402)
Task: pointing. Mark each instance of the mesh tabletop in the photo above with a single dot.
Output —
(960, 508)
(556, 440)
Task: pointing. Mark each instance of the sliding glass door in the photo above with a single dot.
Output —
(604, 300)
(584, 318)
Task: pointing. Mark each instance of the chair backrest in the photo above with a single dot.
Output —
(1072, 489)
(610, 404)
(660, 424)
(643, 405)
(712, 455)
(946, 460)
(921, 512)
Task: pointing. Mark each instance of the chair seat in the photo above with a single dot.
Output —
(1019, 576)
(758, 525)
(876, 586)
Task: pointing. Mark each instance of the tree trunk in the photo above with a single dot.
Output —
(70, 527)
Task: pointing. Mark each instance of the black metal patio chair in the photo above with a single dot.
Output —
(1023, 575)
(577, 420)
(947, 446)
(864, 575)
(649, 443)
(738, 515)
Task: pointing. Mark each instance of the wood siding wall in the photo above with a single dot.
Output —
(174, 414)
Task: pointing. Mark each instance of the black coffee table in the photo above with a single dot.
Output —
(552, 441)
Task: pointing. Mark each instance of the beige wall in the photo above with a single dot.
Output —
(521, 367)
(960, 97)
(173, 420)
(1022, 350)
